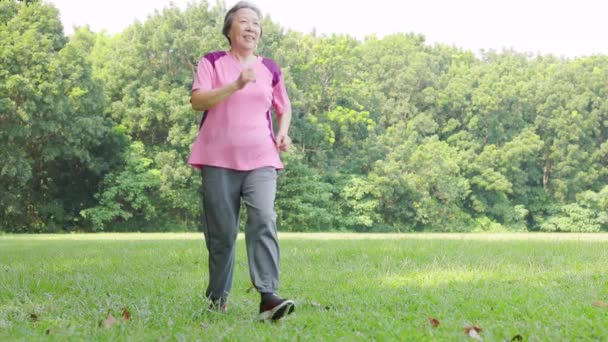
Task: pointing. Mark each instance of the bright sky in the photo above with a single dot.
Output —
(569, 28)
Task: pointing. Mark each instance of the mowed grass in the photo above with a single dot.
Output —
(348, 287)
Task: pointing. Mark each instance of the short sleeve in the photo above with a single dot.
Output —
(203, 79)
(280, 100)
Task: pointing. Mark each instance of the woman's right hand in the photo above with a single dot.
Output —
(203, 100)
(246, 76)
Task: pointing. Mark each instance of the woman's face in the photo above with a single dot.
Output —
(245, 29)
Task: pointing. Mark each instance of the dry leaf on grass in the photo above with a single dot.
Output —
(600, 304)
(473, 332)
(468, 328)
(126, 315)
(434, 322)
(33, 317)
(110, 321)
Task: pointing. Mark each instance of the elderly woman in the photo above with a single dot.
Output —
(238, 153)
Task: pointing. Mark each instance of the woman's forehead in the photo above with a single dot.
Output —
(246, 13)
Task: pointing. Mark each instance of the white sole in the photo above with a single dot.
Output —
(288, 307)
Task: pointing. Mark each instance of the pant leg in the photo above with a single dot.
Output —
(221, 204)
(259, 189)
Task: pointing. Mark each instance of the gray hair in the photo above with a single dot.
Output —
(230, 15)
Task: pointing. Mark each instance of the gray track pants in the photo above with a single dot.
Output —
(222, 193)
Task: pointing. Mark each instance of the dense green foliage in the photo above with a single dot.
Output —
(542, 287)
(391, 134)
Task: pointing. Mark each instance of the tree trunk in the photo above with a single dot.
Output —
(546, 172)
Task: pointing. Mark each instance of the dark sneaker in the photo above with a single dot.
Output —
(275, 308)
(218, 305)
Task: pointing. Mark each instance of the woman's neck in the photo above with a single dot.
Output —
(243, 56)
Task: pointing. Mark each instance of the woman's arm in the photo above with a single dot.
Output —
(205, 99)
(283, 139)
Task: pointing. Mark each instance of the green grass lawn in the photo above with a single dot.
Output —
(347, 287)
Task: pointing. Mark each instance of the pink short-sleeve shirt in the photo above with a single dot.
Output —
(237, 133)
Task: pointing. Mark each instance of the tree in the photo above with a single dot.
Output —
(55, 138)
(304, 200)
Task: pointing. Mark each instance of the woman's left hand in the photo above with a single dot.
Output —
(283, 142)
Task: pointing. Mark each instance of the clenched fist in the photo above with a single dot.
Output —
(246, 76)
(283, 142)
